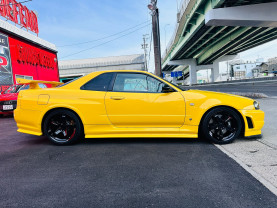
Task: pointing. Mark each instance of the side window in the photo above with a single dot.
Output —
(154, 85)
(130, 82)
(99, 83)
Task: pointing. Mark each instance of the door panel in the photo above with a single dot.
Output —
(91, 105)
(139, 109)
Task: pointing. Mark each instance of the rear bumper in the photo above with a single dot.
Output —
(28, 121)
(257, 119)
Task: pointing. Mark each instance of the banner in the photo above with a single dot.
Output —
(6, 76)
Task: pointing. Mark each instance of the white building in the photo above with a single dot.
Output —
(71, 69)
(244, 70)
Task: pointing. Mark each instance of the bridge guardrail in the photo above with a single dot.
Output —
(181, 12)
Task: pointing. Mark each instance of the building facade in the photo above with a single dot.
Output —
(71, 69)
(25, 55)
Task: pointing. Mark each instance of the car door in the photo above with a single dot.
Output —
(137, 100)
(91, 99)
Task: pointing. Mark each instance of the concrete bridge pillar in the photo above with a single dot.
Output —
(215, 72)
(191, 63)
(215, 66)
(192, 72)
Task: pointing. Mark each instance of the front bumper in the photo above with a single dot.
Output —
(254, 122)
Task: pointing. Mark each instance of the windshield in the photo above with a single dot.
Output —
(25, 87)
(13, 89)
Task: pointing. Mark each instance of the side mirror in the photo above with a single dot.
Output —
(167, 88)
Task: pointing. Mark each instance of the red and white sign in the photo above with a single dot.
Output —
(34, 56)
(19, 14)
(29, 60)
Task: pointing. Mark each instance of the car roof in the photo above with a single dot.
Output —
(78, 82)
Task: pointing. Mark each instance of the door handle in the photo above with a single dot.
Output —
(117, 98)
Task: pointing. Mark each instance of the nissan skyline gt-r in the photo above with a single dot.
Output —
(123, 103)
(8, 98)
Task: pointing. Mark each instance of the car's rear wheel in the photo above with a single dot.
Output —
(221, 125)
(63, 127)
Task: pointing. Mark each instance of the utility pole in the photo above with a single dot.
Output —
(145, 46)
(156, 37)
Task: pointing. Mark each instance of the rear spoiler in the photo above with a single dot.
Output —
(34, 83)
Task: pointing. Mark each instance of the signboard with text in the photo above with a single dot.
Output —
(29, 60)
(19, 14)
(176, 74)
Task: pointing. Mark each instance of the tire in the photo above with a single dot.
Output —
(221, 125)
(63, 127)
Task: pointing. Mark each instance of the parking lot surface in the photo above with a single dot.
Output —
(122, 173)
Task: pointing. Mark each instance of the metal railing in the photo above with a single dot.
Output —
(179, 16)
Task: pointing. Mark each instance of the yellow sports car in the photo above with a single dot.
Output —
(133, 104)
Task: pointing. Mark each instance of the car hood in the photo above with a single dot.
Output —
(10, 96)
(236, 101)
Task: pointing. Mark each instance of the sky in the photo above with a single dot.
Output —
(67, 23)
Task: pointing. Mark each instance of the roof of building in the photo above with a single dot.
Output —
(9, 28)
(101, 62)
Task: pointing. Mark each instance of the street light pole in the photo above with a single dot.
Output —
(165, 36)
(156, 37)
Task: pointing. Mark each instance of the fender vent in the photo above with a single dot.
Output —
(250, 123)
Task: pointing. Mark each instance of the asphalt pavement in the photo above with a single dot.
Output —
(269, 87)
(122, 173)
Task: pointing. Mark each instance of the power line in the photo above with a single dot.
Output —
(105, 42)
(106, 36)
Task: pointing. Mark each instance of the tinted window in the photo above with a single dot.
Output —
(99, 83)
(127, 82)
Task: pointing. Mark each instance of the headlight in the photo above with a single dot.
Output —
(256, 105)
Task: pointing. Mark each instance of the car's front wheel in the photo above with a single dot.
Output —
(221, 125)
(62, 127)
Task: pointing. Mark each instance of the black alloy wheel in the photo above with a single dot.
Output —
(221, 125)
(63, 127)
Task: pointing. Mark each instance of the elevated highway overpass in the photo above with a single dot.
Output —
(211, 31)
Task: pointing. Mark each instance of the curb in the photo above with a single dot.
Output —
(262, 180)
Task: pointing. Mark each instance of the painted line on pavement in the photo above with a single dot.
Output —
(232, 83)
(262, 180)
